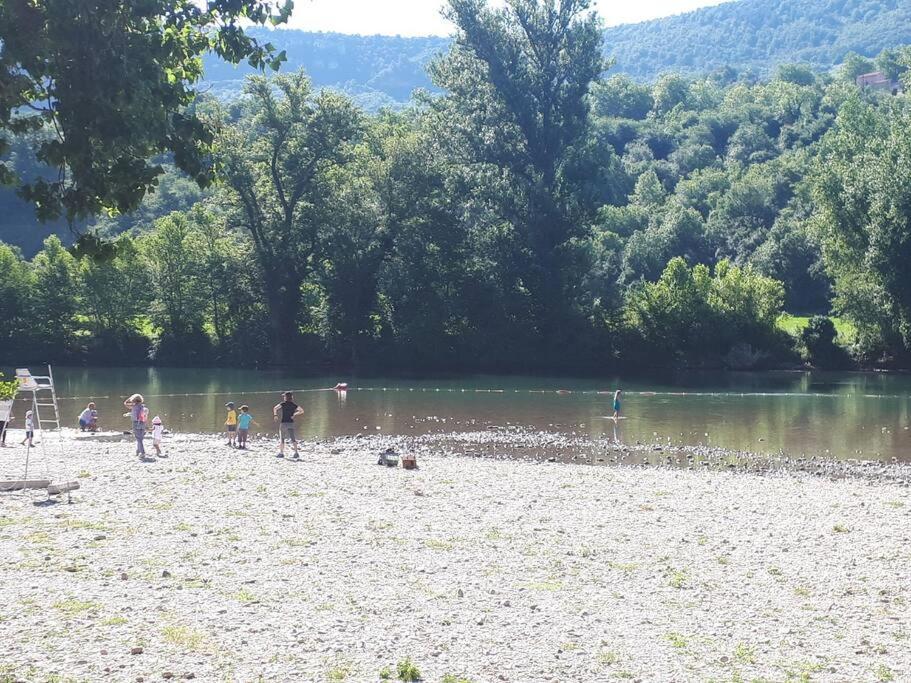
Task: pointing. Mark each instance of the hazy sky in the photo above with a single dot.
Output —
(422, 17)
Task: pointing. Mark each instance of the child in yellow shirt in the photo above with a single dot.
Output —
(231, 424)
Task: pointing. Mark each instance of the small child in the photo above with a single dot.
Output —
(231, 423)
(243, 426)
(29, 430)
(617, 396)
(157, 432)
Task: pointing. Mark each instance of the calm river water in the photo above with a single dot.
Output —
(840, 415)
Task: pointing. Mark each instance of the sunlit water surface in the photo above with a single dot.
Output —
(837, 415)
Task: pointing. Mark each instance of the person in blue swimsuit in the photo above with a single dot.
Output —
(617, 395)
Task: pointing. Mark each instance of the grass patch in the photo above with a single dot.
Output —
(339, 672)
(183, 637)
(678, 578)
(114, 621)
(243, 595)
(625, 567)
(677, 640)
(452, 678)
(845, 331)
(71, 524)
(745, 654)
(74, 607)
(437, 544)
(544, 586)
(608, 657)
(884, 673)
(408, 671)
(296, 542)
(38, 537)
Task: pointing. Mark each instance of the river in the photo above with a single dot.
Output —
(836, 415)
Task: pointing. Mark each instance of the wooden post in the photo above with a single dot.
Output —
(23, 484)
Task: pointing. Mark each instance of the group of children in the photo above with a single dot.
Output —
(237, 426)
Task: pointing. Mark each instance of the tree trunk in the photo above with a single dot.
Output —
(283, 300)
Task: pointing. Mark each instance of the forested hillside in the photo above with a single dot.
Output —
(376, 70)
(749, 35)
(758, 35)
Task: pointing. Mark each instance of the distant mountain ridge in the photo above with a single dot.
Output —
(753, 35)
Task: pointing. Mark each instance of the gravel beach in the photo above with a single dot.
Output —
(223, 565)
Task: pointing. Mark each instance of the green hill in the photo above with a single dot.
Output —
(749, 35)
(758, 35)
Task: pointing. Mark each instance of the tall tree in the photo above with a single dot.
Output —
(863, 189)
(275, 163)
(115, 294)
(110, 81)
(516, 110)
(56, 300)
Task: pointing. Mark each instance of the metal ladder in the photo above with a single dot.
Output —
(44, 395)
(39, 421)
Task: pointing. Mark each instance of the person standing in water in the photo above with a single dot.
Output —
(617, 395)
(286, 411)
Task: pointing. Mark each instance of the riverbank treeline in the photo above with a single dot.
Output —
(539, 215)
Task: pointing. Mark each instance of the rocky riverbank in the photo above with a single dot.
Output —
(218, 564)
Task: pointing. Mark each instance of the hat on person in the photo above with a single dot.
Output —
(156, 420)
(229, 404)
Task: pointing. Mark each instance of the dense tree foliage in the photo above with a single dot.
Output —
(108, 83)
(539, 215)
(863, 188)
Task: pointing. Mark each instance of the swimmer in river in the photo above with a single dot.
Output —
(617, 395)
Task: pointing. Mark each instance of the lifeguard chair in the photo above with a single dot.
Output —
(40, 391)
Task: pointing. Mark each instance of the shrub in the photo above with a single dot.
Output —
(818, 338)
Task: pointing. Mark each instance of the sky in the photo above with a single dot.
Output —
(422, 17)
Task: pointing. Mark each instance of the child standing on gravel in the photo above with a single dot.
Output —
(231, 423)
(244, 420)
(29, 430)
(157, 433)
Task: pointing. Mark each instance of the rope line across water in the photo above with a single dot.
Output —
(562, 392)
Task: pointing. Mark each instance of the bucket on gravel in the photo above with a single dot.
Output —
(389, 458)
